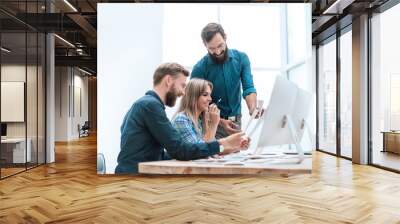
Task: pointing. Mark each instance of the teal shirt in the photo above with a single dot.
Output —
(228, 79)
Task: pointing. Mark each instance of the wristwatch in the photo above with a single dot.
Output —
(221, 148)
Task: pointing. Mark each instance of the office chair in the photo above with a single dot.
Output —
(84, 130)
(101, 164)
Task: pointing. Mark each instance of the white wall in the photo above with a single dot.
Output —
(129, 50)
(68, 81)
(61, 103)
(79, 117)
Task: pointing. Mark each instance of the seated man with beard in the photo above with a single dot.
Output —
(146, 130)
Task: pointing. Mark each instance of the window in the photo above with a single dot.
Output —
(262, 39)
(298, 46)
(346, 94)
(22, 64)
(264, 81)
(385, 84)
(327, 97)
(394, 101)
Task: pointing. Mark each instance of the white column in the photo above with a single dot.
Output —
(50, 92)
(360, 90)
(50, 108)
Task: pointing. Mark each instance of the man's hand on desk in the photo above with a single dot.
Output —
(245, 144)
(234, 143)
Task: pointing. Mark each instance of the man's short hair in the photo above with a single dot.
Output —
(172, 69)
(210, 30)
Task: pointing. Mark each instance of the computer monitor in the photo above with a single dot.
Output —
(3, 129)
(284, 120)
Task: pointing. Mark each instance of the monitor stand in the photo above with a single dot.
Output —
(295, 138)
(287, 120)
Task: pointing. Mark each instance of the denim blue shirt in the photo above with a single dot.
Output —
(227, 78)
(146, 131)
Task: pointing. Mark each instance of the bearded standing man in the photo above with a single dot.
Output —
(229, 71)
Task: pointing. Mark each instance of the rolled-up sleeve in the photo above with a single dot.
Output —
(161, 128)
(247, 77)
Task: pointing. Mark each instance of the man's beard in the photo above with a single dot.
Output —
(220, 60)
(170, 98)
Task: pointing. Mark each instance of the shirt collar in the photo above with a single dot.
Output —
(155, 95)
(230, 55)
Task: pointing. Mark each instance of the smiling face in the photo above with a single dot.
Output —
(204, 100)
(217, 48)
(197, 97)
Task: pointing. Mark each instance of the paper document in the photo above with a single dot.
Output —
(253, 116)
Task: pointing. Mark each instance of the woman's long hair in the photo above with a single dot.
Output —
(194, 89)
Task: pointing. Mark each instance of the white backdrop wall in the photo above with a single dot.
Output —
(142, 36)
(129, 50)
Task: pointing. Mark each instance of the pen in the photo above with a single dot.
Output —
(217, 102)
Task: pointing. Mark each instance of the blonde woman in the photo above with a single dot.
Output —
(196, 120)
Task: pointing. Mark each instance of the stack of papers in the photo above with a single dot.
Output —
(245, 158)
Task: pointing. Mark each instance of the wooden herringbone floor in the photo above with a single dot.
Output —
(69, 191)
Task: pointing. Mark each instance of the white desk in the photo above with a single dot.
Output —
(18, 150)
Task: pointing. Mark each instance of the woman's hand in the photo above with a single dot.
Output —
(213, 112)
(210, 122)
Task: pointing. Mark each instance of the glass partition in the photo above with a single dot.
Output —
(14, 153)
(22, 77)
(327, 97)
(31, 100)
(385, 89)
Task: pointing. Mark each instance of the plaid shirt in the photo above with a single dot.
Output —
(185, 127)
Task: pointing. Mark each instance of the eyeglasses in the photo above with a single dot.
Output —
(220, 47)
